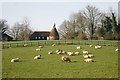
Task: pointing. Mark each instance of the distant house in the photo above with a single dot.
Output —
(6, 37)
(40, 35)
(45, 35)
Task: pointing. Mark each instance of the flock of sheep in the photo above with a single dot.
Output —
(86, 54)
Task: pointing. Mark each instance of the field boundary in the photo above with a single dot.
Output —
(59, 42)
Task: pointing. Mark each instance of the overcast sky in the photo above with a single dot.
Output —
(44, 14)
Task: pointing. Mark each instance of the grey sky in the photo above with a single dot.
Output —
(44, 14)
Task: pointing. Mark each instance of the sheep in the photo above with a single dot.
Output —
(51, 52)
(15, 60)
(63, 52)
(90, 55)
(37, 57)
(77, 53)
(85, 52)
(91, 45)
(65, 58)
(59, 52)
(98, 47)
(40, 46)
(70, 53)
(53, 44)
(117, 50)
(38, 49)
(85, 56)
(88, 60)
(25, 45)
(79, 47)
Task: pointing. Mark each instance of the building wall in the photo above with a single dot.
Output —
(53, 38)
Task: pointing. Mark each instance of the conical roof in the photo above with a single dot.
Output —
(54, 32)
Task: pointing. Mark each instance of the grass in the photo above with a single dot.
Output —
(50, 66)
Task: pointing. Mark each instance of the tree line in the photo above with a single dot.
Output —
(19, 31)
(90, 24)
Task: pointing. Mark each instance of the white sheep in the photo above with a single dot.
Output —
(117, 50)
(25, 45)
(65, 58)
(63, 52)
(51, 52)
(91, 45)
(15, 60)
(53, 44)
(79, 47)
(70, 53)
(59, 52)
(88, 60)
(77, 53)
(98, 47)
(85, 52)
(40, 46)
(38, 49)
(90, 55)
(37, 57)
(85, 56)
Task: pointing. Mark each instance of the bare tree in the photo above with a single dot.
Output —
(3, 26)
(15, 31)
(65, 30)
(21, 31)
(92, 15)
(25, 30)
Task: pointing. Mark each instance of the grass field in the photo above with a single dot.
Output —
(50, 66)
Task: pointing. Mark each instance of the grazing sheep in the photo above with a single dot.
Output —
(15, 60)
(85, 52)
(63, 52)
(77, 53)
(59, 52)
(98, 47)
(54, 45)
(25, 45)
(79, 47)
(70, 53)
(90, 55)
(91, 45)
(38, 49)
(51, 52)
(88, 60)
(40, 46)
(37, 57)
(117, 50)
(65, 58)
(85, 56)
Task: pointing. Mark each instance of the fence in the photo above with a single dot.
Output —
(60, 42)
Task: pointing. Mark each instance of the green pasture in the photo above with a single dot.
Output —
(50, 66)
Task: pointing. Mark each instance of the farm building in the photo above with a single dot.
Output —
(6, 37)
(40, 35)
(45, 35)
(54, 34)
